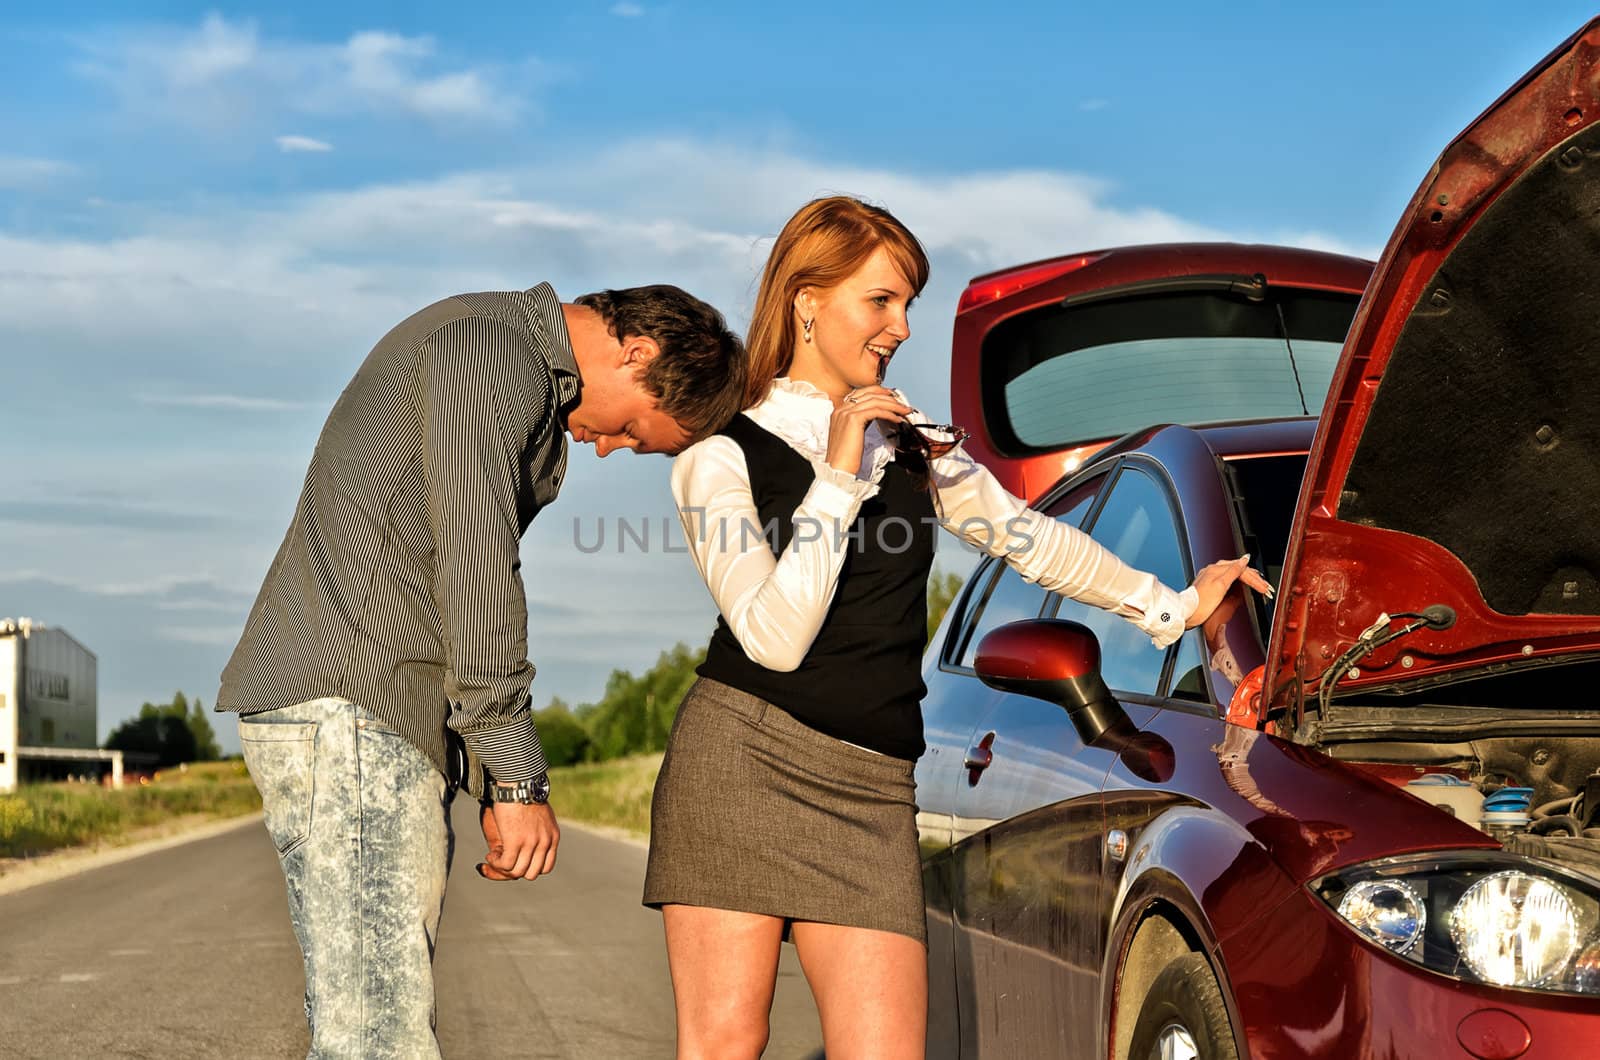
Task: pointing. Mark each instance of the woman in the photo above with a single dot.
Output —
(785, 804)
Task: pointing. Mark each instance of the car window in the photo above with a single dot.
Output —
(1189, 672)
(1267, 488)
(1072, 373)
(1136, 523)
(1014, 599)
(1010, 599)
(1073, 505)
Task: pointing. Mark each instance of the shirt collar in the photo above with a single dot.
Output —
(798, 412)
(545, 313)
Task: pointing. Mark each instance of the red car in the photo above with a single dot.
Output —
(1362, 820)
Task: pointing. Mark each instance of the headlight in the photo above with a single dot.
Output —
(1586, 970)
(1388, 913)
(1514, 929)
(1480, 917)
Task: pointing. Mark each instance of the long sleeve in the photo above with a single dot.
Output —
(477, 416)
(1062, 558)
(774, 605)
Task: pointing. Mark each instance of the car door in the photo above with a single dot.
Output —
(956, 701)
(1029, 906)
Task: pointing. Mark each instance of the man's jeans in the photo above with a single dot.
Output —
(362, 825)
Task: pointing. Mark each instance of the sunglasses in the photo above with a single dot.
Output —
(929, 440)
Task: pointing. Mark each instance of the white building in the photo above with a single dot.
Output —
(49, 696)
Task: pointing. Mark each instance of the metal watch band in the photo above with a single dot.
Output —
(527, 792)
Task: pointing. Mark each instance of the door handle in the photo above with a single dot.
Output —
(979, 757)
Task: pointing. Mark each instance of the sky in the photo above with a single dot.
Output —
(210, 212)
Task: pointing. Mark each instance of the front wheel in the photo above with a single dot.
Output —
(1183, 1017)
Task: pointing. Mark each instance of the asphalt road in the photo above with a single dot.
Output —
(187, 952)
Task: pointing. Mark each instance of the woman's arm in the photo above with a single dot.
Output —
(774, 605)
(1062, 558)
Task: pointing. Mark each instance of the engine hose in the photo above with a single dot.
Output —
(1564, 823)
(1567, 805)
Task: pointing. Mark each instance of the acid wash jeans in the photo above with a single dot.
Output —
(361, 821)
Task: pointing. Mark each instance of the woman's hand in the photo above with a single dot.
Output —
(847, 428)
(1214, 581)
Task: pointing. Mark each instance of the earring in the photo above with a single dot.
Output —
(808, 324)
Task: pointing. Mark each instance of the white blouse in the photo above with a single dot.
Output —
(775, 605)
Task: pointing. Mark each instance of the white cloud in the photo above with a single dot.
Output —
(289, 144)
(1333, 244)
(18, 173)
(218, 48)
(227, 402)
(984, 219)
(627, 10)
(271, 289)
(380, 68)
(208, 636)
(1094, 104)
(224, 73)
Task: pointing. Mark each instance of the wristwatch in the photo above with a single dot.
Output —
(527, 792)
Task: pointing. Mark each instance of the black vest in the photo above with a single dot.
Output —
(862, 679)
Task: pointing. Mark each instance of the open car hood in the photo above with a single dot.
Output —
(1457, 461)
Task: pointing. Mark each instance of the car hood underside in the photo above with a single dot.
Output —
(1485, 436)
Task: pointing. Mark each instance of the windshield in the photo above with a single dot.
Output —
(1067, 374)
(1540, 684)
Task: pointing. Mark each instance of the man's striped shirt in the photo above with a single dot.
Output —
(398, 585)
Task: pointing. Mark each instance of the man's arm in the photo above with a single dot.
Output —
(480, 404)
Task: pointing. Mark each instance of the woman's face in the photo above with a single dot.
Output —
(856, 326)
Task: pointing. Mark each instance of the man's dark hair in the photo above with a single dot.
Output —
(699, 377)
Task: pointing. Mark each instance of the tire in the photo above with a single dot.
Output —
(1183, 1017)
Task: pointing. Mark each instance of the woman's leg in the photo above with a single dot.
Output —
(724, 971)
(871, 989)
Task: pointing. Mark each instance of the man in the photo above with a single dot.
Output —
(385, 661)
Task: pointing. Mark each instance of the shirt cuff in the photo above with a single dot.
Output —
(837, 494)
(511, 753)
(1168, 615)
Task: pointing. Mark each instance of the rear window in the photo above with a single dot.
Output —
(1073, 373)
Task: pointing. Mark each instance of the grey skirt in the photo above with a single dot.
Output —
(759, 813)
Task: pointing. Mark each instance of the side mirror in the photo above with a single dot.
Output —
(1059, 662)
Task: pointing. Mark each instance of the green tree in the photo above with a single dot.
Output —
(563, 736)
(168, 731)
(206, 748)
(942, 589)
(636, 713)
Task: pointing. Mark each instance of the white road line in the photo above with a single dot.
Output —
(78, 977)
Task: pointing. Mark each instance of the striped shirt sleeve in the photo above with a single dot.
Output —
(479, 411)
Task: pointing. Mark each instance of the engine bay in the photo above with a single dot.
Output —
(1539, 796)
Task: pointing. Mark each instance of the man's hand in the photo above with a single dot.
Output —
(1214, 581)
(522, 841)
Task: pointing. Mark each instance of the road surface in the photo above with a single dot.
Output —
(187, 952)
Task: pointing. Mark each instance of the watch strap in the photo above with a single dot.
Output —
(528, 792)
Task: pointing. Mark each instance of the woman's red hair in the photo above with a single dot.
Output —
(823, 243)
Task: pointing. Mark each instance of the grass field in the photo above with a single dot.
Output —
(38, 818)
(615, 794)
